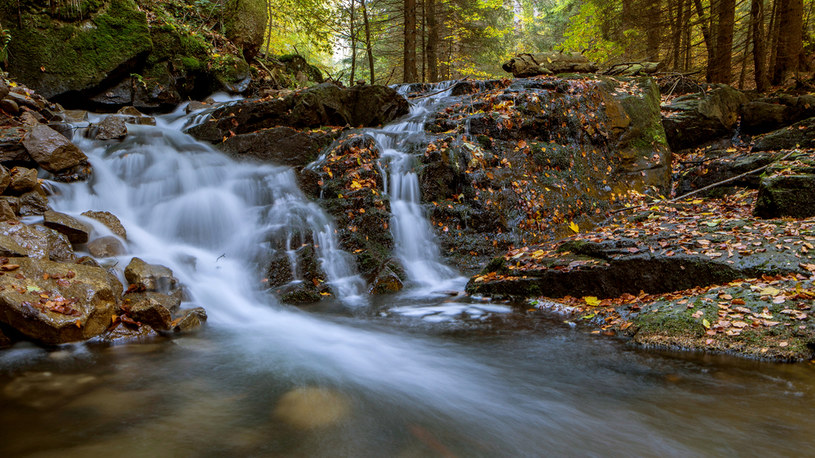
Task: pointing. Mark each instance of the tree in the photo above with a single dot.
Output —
(409, 72)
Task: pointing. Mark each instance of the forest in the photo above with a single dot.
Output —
(749, 43)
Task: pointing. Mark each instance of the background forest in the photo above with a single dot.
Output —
(747, 43)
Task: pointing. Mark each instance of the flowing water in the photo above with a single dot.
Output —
(416, 374)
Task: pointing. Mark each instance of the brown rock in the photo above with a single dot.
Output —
(87, 261)
(75, 115)
(5, 179)
(152, 277)
(387, 282)
(105, 247)
(79, 300)
(110, 220)
(76, 231)
(148, 309)
(33, 203)
(22, 180)
(30, 118)
(9, 106)
(6, 211)
(122, 333)
(111, 128)
(38, 241)
(189, 320)
(52, 151)
(10, 247)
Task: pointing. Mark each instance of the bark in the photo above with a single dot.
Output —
(432, 38)
(368, 44)
(706, 35)
(759, 48)
(789, 48)
(409, 73)
(722, 61)
(651, 18)
(351, 80)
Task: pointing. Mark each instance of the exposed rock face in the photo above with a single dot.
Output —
(76, 231)
(189, 320)
(697, 119)
(108, 219)
(105, 247)
(110, 128)
(52, 151)
(280, 145)
(726, 167)
(801, 134)
(771, 113)
(55, 302)
(246, 24)
(788, 189)
(39, 242)
(322, 105)
(149, 308)
(76, 54)
(548, 63)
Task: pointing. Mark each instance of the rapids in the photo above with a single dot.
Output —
(416, 374)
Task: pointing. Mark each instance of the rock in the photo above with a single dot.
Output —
(633, 69)
(79, 57)
(771, 113)
(169, 302)
(64, 129)
(148, 308)
(152, 277)
(87, 261)
(6, 211)
(724, 168)
(10, 247)
(799, 135)
(11, 145)
(5, 341)
(548, 63)
(298, 68)
(110, 128)
(9, 106)
(74, 115)
(38, 241)
(696, 119)
(189, 320)
(298, 293)
(310, 408)
(75, 230)
(195, 105)
(22, 180)
(33, 203)
(5, 179)
(4, 88)
(105, 247)
(788, 189)
(123, 333)
(280, 145)
(322, 105)
(387, 282)
(245, 25)
(29, 119)
(71, 303)
(52, 151)
(108, 219)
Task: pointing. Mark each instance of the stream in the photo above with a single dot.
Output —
(416, 374)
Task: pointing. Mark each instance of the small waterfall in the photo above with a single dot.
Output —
(413, 236)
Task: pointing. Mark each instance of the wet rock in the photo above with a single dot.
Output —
(280, 145)
(75, 115)
(311, 407)
(108, 219)
(4, 88)
(123, 333)
(110, 128)
(75, 230)
(33, 203)
(152, 277)
(298, 293)
(63, 128)
(799, 135)
(322, 105)
(724, 168)
(548, 63)
(149, 298)
(10, 247)
(52, 151)
(6, 211)
(697, 119)
(189, 320)
(38, 241)
(29, 119)
(196, 106)
(5, 179)
(105, 247)
(11, 144)
(387, 282)
(56, 302)
(9, 106)
(22, 180)
(88, 261)
(148, 308)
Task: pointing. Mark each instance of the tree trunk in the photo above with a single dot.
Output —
(409, 73)
(759, 48)
(721, 71)
(678, 26)
(351, 80)
(651, 21)
(432, 38)
(709, 45)
(789, 48)
(368, 45)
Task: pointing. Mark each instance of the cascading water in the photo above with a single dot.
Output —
(413, 236)
(541, 389)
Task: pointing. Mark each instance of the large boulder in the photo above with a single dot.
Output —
(109, 220)
(150, 277)
(280, 145)
(72, 50)
(75, 230)
(245, 25)
(54, 302)
(322, 105)
(548, 63)
(39, 242)
(788, 189)
(799, 135)
(726, 167)
(771, 113)
(51, 150)
(696, 119)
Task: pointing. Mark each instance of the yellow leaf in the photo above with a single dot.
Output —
(706, 323)
(574, 227)
(591, 300)
(770, 291)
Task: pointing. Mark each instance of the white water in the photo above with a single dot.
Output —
(415, 243)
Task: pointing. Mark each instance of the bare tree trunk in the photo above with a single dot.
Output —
(678, 26)
(368, 44)
(409, 73)
(653, 29)
(721, 66)
(432, 38)
(708, 39)
(745, 54)
(351, 79)
(789, 48)
(424, 41)
(773, 36)
(759, 48)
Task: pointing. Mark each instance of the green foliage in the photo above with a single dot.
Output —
(5, 39)
(584, 34)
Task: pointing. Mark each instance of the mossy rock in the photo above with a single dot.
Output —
(245, 25)
(58, 58)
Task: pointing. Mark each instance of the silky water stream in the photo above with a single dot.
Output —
(358, 379)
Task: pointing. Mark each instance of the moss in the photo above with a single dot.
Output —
(55, 58)
(191, 63)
